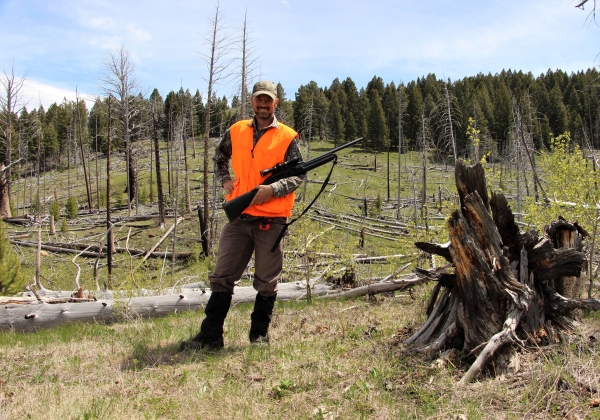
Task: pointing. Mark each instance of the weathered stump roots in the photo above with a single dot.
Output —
(502, 289)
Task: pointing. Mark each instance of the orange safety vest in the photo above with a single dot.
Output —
(248, 160)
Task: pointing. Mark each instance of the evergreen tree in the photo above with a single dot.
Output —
(502, 111)
(375, 85)
(199, 114)
(556, 112)
(11, 279)
(336, 125)
(350, 129)
(285, 110)
(310, 110)
(391, 106)
(414, 111)
(362, 115)
(429, 85)
(377, 130)
(97, 124)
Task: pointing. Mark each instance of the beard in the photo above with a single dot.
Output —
(263, 113)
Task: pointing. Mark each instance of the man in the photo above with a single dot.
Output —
(251, 146)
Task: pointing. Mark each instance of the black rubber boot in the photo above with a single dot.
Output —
(261, 318)
(211, 330)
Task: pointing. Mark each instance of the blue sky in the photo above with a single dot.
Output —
(61, 44)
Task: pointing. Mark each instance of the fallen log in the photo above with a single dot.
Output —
(499, 295)
(94, 251)
(29, 314)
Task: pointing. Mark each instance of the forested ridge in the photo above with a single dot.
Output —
(386, 114)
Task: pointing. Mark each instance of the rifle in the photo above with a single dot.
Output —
(293, 167)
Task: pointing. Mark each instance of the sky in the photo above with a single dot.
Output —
(61, 46)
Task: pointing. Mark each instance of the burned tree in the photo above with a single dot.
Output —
(500, 291)
(12, 86)
(217, 62)
(120, 83)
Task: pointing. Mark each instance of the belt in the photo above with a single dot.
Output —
(278, 220)
(250, 217)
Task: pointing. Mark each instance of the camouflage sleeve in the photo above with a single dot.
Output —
(285, 186)
(222, 157)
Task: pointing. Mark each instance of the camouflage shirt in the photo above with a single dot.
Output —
(223, 156)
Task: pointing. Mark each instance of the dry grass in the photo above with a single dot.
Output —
(329, 360)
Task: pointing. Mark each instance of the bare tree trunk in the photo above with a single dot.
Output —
(188, 206)
(85, 172)
(121, 83)
(38, 257)
(450, 123)
(205, 235)
(159, 186)
(247, 63)
(244, 89)
(520, 134)
(310, 124)
(176, 207)
(12, 86)
(68, 158)
(169, 153)
(110, 235)
(192, 109)
(424, 168)
(217, 66)
(4, 188)
(97, 170)
(400, 150)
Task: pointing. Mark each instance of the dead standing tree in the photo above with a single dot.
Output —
(119, 82)
(501, 290)
(12, 86)
(217, 62)
(247, 66)
(159, 183)
(79, 129)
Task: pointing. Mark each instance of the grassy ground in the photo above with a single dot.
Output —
(328, 360)
(58, 271)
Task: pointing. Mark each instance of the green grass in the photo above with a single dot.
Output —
(58, 271)
(321, 364)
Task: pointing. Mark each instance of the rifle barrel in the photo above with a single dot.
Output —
(343, 146)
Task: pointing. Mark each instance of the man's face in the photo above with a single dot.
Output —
(263, 106)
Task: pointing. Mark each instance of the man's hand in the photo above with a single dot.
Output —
(264, 194)
(228, 185)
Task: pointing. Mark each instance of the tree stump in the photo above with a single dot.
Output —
(567, 235)
(501, 289)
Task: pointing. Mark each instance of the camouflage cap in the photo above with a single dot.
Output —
(264, 87)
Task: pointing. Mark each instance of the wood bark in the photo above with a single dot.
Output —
(56, 308)
(500, 290)
(94, 251)
(159, 184)
(4, 192)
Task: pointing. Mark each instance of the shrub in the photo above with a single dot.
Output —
(377, 206)
(36, 205)
(103, 198)
(119, 199)
(11, 279)
(54, 209)
(64, 226)
(71, 208)
(143, 196)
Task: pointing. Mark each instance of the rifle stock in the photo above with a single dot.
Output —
(233, 208)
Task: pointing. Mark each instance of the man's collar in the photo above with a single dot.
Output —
(273, 124)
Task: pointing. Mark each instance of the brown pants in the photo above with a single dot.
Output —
(239, 239)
